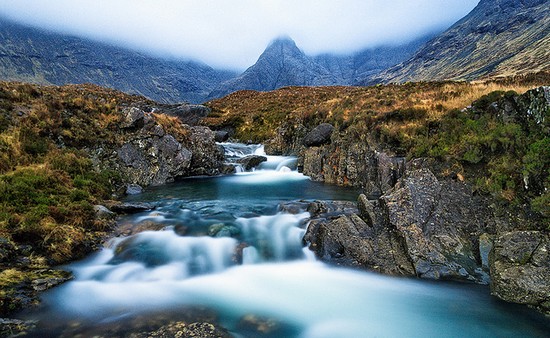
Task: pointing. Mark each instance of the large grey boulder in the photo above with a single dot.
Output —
(440, 224)
(421, 227)
(319, 135)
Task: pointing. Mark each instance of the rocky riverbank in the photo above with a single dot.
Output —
(67, 151)
(435, 227)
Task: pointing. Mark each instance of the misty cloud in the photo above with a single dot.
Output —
(232, 34)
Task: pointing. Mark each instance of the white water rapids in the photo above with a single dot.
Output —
(256, 264)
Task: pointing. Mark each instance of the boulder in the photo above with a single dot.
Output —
(520, 268)
(130, 208)
(133, 118)
(343, 238)
(251, 161)
(103, 213)
(221, 136)
(319, 135)
(207, 156)
(133, 189)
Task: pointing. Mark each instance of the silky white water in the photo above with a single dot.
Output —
(227, 247)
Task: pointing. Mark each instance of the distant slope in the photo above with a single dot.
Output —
(497, 38)
(37, 56)
(284, 64)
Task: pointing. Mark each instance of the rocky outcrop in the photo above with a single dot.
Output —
(339, 236)
(190, 114)
(440, 223)
(353, 164)
(147, 153)
(423, 227)
(520, 268)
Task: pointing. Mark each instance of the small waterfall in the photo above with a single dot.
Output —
(236, 151)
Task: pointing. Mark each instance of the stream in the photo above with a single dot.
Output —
(225, 249)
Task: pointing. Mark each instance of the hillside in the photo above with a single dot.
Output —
(64, 152)
(43, 57)
(497, 38)
(402, 120)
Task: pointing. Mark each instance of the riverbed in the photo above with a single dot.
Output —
(224, 246)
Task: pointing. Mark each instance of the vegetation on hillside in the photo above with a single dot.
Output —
(48, 185)
(453, 122)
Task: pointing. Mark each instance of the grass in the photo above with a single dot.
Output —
(48, 184)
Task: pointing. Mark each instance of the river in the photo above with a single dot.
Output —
(226, 249)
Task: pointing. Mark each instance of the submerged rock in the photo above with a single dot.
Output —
(134, 189)
(182, 329)
(251, 161)
(130, 208)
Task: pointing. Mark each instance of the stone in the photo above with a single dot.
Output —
(251, 161)
(319, 135)
(366, 210)
(221, 136)
(520, 268)
(133, 118)
(103, 213)
(131, 208)
(439, 223)
(133, 189)
(222, 230)
(128, 229)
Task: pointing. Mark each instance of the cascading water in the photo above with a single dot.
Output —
(226, 246)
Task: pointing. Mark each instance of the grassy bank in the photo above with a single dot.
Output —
(451, 122)
(48, 184)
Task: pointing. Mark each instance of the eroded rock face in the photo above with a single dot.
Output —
(520, 268)
(421, 227)
(353, 164)
(440, 223)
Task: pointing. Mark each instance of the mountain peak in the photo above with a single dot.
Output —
(282, 45)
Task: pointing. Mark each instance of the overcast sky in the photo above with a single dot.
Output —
(233, 33)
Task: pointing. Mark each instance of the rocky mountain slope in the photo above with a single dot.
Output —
(37, 56)
(284, 64)
(497, 38)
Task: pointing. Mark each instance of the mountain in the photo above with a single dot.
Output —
(284, 64)
(497, 38)
(281, 64)
(43, 57)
